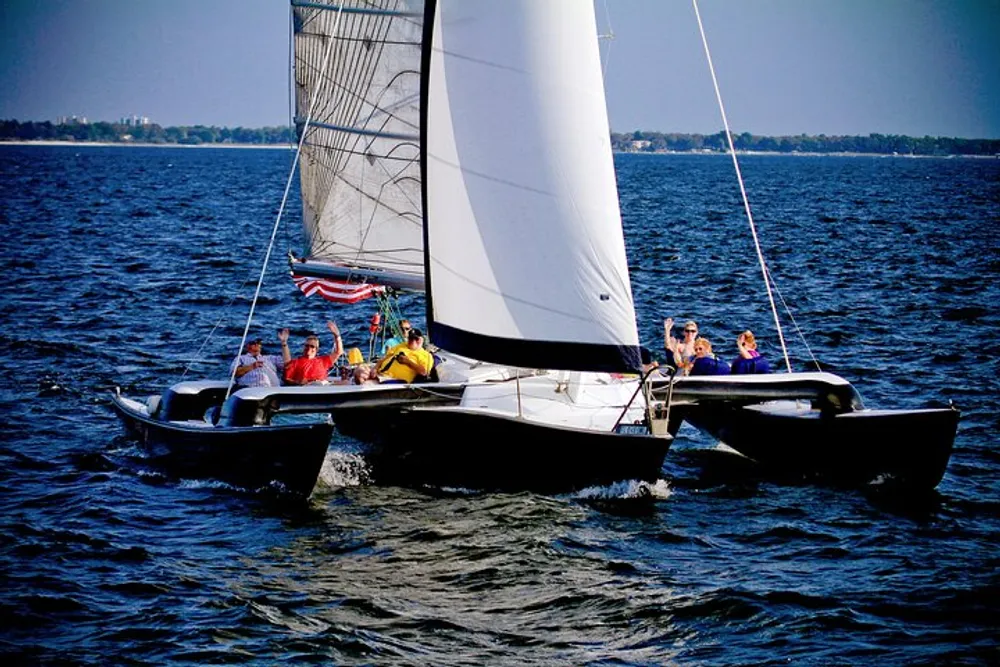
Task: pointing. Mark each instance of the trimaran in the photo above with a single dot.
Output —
(462, 149)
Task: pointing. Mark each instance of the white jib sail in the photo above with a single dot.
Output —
(524, 228)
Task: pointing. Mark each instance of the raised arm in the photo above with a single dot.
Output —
(286, 354)
(669, 342)
(741, 345)
(338, 343)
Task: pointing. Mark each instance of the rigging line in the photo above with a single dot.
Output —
(794, 323)
(337, 82)
(318, 80)
(610, 36)
(365, 85)
(376, 106)
(309, 47)
(218, 323)
(368, 227)
(313, 82)
(743, 192)
(274, 233)
(358, 65)
(357, 69)
(290, 83)
(291, 92)
(196, 358)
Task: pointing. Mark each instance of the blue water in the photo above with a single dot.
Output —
(135, 267)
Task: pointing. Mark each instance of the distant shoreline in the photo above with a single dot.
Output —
(130, 144)
(112, 144)
(812, 154)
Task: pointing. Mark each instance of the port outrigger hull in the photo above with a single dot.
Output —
(251, 457)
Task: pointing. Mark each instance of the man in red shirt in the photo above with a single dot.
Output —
(311, 366)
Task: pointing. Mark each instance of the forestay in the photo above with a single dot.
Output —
(527, 260)
(357, 83)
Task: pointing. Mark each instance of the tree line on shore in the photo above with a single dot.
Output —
(152, 133)
(635, 142)
(881, 144)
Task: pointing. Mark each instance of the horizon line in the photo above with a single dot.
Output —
(613, 131)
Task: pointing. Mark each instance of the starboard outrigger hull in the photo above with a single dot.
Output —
(814, 426)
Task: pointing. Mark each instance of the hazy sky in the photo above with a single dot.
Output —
(913, 67)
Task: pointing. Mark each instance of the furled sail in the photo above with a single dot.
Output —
(527, 261)
(357, 99)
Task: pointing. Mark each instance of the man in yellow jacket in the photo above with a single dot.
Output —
(407, 360)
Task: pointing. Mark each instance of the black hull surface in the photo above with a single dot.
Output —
(448, 447)
(906, 449)
(249, 457)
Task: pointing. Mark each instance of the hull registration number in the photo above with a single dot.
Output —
(632, 429)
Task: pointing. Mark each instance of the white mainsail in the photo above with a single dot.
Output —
(527, 261)
(357, 97)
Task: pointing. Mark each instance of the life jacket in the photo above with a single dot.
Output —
(755, 366)
(709, 366)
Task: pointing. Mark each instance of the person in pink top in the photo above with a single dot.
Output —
(313, 367)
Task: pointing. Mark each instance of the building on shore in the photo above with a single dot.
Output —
(71, 120)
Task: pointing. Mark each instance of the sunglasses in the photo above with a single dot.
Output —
(690, 331)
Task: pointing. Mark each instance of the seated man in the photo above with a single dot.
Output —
(406, 361)
(256, 369)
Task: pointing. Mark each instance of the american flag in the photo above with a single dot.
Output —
(336, 290)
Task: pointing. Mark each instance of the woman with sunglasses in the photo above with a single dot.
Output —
(312, 366)
(680, 351)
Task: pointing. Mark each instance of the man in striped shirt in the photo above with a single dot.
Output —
(255, 369)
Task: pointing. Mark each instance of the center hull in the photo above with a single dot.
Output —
(457, 447)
